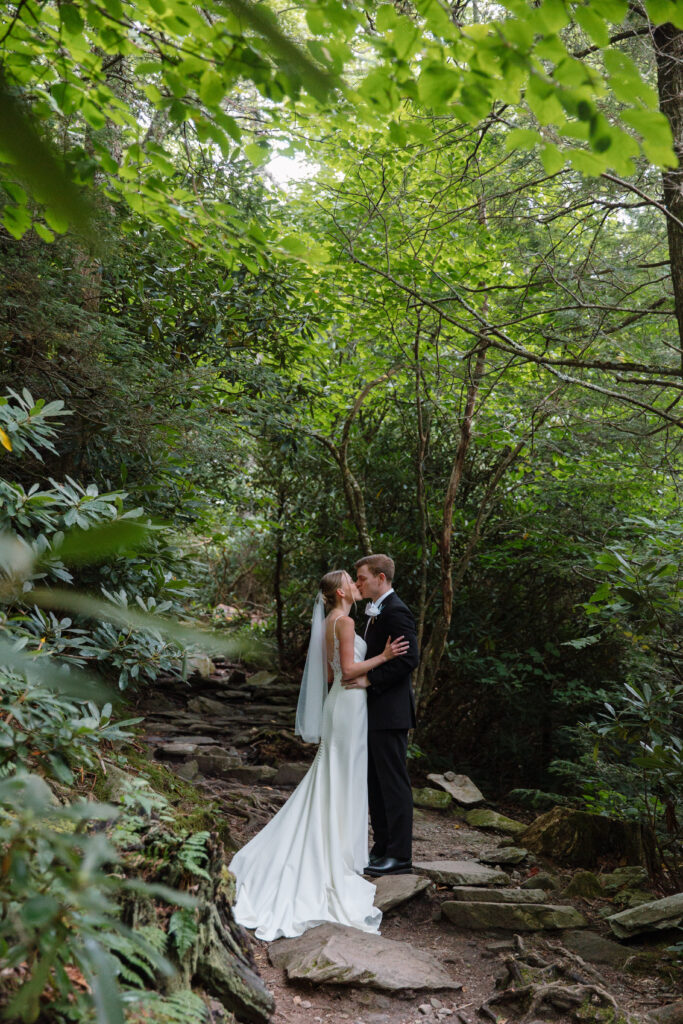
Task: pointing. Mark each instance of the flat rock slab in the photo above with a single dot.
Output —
(503, 855)
(461, 788)
(261, 678)
(333, 954)
(592, 947)
(672, 1013)
(516, 917)
(483, 818)
(461, 872)
(648, 917)
(290, 774)
(471, 894)
(392, 890)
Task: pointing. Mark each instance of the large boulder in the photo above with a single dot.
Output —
(481, 817)
(516, 917)
(655, 916)
(333, 954)
(579, 839)
(461, 872)
(460, 787)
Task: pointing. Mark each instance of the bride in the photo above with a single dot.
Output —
(305, 866)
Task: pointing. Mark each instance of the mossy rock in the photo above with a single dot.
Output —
(436, 799)
(586, 884)
(579, 839)
(483, 818)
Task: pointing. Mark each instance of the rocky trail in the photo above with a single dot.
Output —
(488, 928)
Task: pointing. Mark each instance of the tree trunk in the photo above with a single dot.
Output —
(433, 651)
(668, 42)
(277, 577)
(420, 455)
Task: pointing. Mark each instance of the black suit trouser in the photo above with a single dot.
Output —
(390, 794)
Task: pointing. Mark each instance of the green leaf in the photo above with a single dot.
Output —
(593, 25)
(437, 84)
(589, 164)
(211, 88)
(612, 10)
(257, 153)
(38, 165)
(380, 90)
(71, 19)
(83, 547)
(43, 232)
(552, 16)
(17, 220)
(662, 11)
(552, 158)
(522, 138)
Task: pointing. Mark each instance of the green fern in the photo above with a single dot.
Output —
(182, 1007)
(139, 954)
(183, 928)
(193, 855)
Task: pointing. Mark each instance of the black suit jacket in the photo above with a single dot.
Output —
(391, 701)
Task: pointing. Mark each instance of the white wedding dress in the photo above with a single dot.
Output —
(304, 867)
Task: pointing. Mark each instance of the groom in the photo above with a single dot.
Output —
(391, 713)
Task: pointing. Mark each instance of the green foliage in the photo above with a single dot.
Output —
(182, 928)
(182, 1007)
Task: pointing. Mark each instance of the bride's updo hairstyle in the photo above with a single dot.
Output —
(329, 585)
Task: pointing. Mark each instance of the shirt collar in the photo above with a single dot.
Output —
(379, 600)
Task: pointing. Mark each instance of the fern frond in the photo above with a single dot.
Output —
(193, 854)
(183, 928)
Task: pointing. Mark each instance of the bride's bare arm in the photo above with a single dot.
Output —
(352, 670)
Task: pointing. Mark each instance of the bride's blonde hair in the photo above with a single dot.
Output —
(329, 585)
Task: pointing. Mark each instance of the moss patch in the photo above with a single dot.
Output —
(192, 811)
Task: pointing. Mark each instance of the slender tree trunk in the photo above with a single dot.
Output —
(420, 455)
(668, 42)
(433, 651)
(277, 577)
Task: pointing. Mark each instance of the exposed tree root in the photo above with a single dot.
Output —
(534, 985)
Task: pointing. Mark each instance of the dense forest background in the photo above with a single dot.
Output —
(279, 289)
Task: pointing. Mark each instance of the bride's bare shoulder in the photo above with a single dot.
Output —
(344, 623)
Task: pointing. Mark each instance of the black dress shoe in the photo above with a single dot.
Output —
(390, 866)
(375, 858)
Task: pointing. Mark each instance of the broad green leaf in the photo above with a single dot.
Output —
(589, 164)
(551, 16)
(211, 88)
(662, 11)
(522, 138)
(17, 220)
(437, 84)
(612, 10)
(257, 153)
(552, 158)
(593, 25)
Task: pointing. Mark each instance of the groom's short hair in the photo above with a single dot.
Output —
(377, 564)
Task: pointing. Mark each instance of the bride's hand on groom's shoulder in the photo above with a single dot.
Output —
(394, 648)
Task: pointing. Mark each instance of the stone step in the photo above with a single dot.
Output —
(461, 872)
(516, 917)
(333, 954)
(472, 894)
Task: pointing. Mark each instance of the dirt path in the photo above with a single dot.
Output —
(227, 725)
